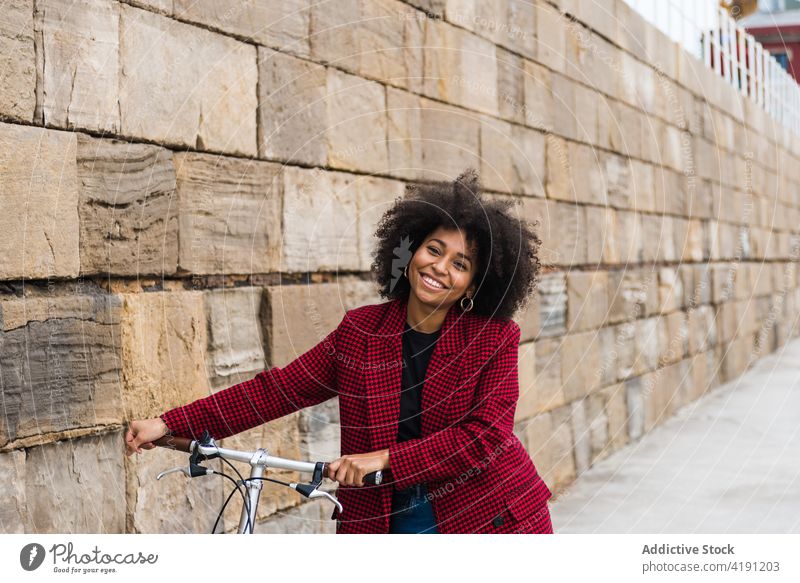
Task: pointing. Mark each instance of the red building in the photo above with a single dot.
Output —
(779, 32)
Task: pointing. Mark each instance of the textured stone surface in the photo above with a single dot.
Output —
(186, 86)
(127, 208)
(356, 123)
(320, 221)
(375, 196)
(587, 296)
(513, 158)
(298, 318)
(450, 141)
(17, 61)
(312, 517)
(60, 365)
(553, 303)
(174, 504)
(80, 47)
(230, 214)
(14, 512)
(581, 361)
(84, 479)
(292, 112)
(278, 24)
(527, 403)
(404, 133)
(460, 67)
(163, 343)
(39, 203)
(235, 345)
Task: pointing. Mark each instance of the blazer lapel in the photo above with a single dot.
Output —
(383, 371)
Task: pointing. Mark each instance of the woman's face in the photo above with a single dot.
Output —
(445, 257)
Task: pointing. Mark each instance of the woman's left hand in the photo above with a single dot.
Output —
(349, 470)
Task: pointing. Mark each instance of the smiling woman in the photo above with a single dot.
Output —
(441, 427)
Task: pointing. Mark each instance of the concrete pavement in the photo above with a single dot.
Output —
(727, 463)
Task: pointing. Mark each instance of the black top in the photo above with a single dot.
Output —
(417, 350)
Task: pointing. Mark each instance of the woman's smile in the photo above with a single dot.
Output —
(431, 283)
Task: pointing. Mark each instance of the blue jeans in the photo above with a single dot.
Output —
(412, 512)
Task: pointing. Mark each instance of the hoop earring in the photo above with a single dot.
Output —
(405, 271)
(470, 303)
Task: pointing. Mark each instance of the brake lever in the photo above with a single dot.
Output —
(328, 495)
(193, 471)
(182, 469)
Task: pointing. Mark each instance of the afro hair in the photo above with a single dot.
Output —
(507, 263)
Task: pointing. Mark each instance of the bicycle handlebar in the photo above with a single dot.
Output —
(187, 445)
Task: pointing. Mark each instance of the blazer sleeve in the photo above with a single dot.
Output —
(479, 436)
(273, 393)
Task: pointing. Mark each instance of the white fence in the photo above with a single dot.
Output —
(709, 33)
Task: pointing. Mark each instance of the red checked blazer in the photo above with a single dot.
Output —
(479, 477)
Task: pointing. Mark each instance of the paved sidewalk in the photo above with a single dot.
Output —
(727, 463)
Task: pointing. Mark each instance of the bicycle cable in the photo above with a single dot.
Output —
(244, 496)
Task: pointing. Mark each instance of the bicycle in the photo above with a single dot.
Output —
(207, 449)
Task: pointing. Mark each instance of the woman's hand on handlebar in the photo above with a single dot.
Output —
(142, 432)
(349, 470)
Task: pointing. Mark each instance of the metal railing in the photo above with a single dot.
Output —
(709, 33)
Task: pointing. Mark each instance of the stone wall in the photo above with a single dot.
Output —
(189, 190)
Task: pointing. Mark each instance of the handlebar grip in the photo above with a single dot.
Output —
(373, 478)
(174, 442)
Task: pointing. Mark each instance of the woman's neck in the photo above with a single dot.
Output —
(423, 318)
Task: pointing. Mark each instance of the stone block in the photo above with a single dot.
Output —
(195, 89)
(627, 294)
(356, 127)
(539, 108)
(80, 63)
(634, 399)
(404, 133)
(292, 112)
(39, 203)
(281, 24)
(320, 221)
(529, 317)
(375, 197)
(174, 504)
(14, 513)
(60, 365)
(164, 340)
(587, 294)
(670, 290)
(551, 34)
(450, 141)
(229, 214)
(127, 208)
(581, 361)
(298, 317)
(549, 386)
(581, 438)
(511, 86)
(616, 410)
(17, 61)
(553, 303)
(564, 113)
(548, 439)
(528, 389)
(235, 346)
(77, 486)
(312, 517)
(460, 68)
(630, 237)
(513, 158)
(646, 347)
